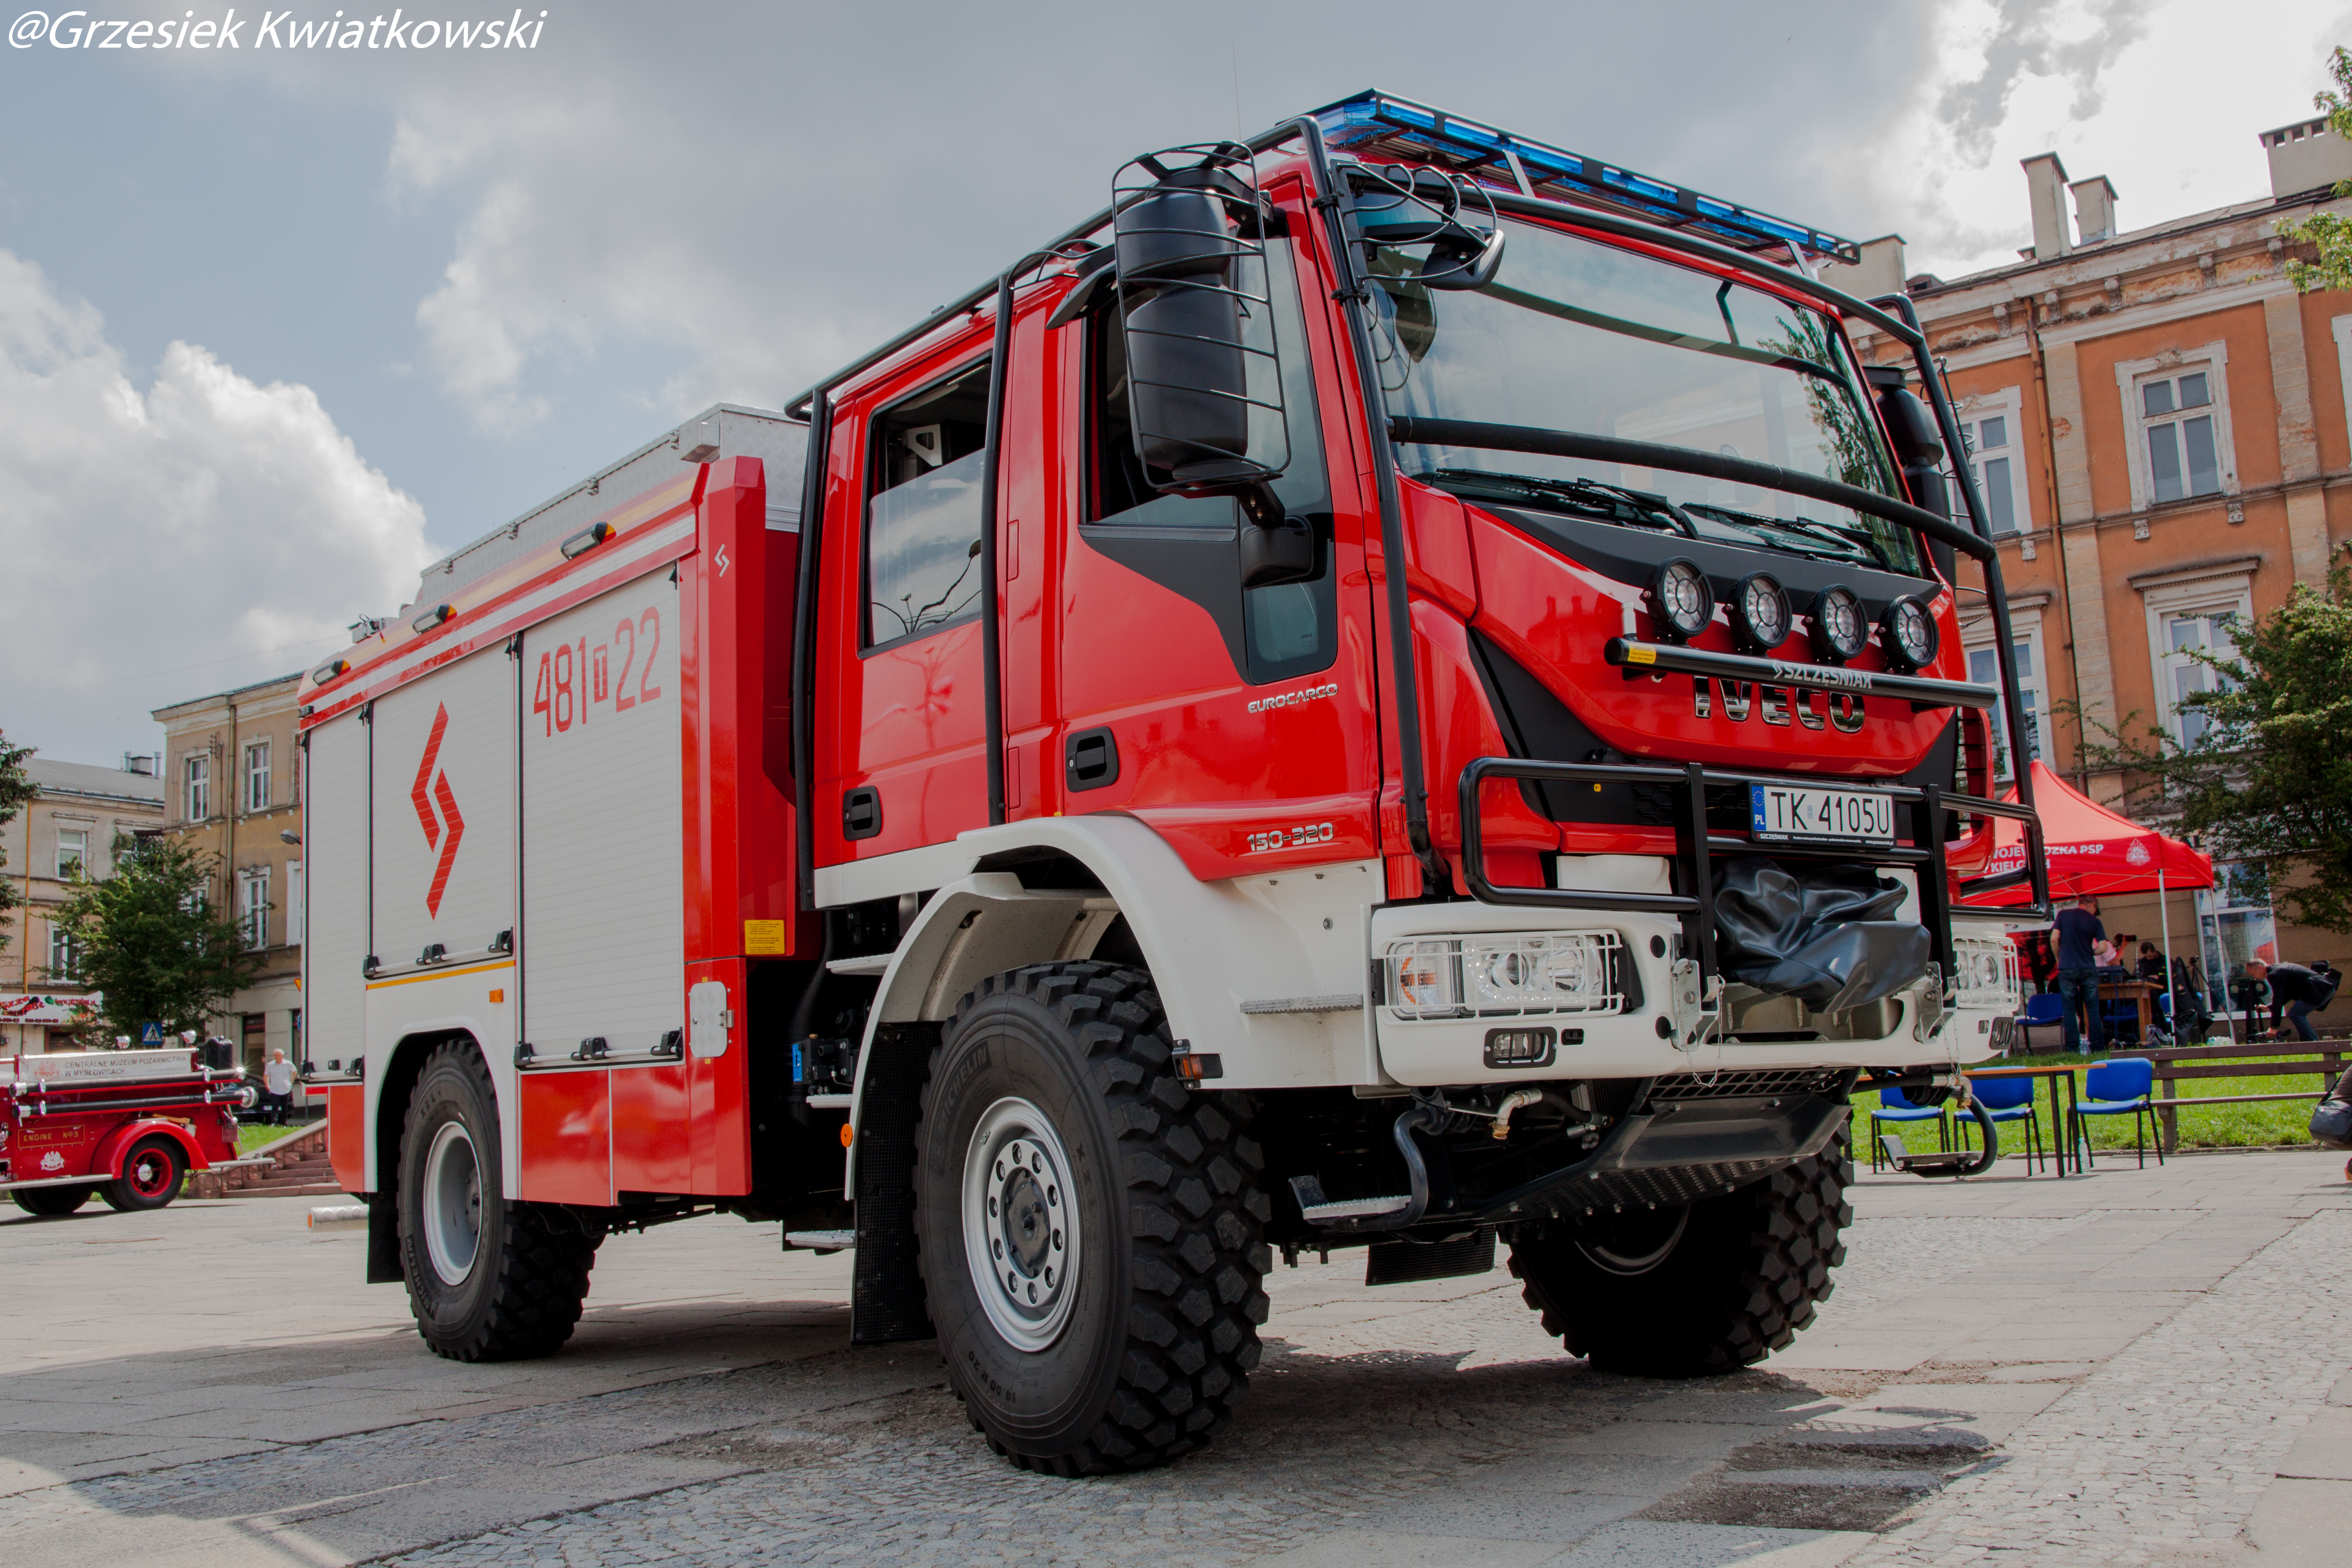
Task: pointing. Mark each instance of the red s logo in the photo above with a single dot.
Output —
(431, 790)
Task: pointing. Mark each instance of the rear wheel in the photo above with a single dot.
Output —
(488, 1278)
(51, 1202)
(1698, 1291)
(150, 1177)
(1089, 1228)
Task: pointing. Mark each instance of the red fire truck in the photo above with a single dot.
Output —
(128, 1125)
(1400, 687)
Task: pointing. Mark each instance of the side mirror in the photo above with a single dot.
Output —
(1400, 206)
(1204, 384)
(1919, 447)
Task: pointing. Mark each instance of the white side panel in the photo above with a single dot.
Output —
(603, 937)
(445, 792)
(335, 859)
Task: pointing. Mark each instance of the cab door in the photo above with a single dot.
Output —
(1238, 724)
(900, 732)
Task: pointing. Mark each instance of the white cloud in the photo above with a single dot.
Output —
(164, 542)
(2166, 99)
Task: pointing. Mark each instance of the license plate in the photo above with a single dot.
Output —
(1821, 815)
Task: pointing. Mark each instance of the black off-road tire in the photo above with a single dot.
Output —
(51, 1202)
(1747, 1271)
(1167, 1292)
(521, 1297)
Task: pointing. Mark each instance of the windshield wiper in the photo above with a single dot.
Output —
(1610, 501)
(1847, 537)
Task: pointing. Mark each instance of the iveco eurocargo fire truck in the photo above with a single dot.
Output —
(1399, 688)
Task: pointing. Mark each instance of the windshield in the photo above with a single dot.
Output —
(1574, 335)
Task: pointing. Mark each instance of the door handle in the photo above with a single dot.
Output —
(861, 812)
(1091, 759)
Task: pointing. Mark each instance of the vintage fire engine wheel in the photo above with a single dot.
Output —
(51, 1202)
(1693, 1291)
(1088, 1227)
(150, 1175)
(488, 1278)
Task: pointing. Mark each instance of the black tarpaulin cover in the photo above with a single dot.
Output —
(1823, 934)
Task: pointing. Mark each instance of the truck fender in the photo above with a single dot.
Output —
(1210, 947)
(108, 1156)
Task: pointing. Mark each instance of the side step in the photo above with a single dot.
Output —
(1317, 1209)
(822, 1240)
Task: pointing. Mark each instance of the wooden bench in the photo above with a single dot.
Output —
(2322, 1060)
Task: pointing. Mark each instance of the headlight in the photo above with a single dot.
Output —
(1681, 601)
(1841, 629)
(1501, 975)
(1908, 633)
(1984, 975)
(1760, 613)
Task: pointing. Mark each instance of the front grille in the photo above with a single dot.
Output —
(1736, 1084)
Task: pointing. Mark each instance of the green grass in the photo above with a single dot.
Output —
(2265, 1125)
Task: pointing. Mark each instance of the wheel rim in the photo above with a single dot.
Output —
(1020, 1229)
(149, 1172)
(453, 1203)
(1636, 1243)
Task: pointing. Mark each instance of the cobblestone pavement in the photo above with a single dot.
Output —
(2117, 1371)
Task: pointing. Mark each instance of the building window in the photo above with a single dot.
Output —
(1996, 457)
(61, 954)
(73, 853)
(1984, 669)
(2235, 925)
(256, 776)
(197, 786)
(2177, 412)
(2186, 621)
(297, 911)
(253, 908)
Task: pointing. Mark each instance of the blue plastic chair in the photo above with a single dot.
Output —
(1895, 1106)
(2042, 1010)
(2119, 1086)
(2011, 1100)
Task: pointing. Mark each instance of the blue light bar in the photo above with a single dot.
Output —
(1374, 126)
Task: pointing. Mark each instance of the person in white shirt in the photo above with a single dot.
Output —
(277, 1086)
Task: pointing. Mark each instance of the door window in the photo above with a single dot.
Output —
(1288, 629)
(923, 509)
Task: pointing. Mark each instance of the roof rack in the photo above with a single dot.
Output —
(1376, 125)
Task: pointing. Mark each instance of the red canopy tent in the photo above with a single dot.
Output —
(2090, 848)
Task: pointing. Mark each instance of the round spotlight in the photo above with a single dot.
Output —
(1908, 633)
(1840, 625)
(1760, 613)
(1681, 601)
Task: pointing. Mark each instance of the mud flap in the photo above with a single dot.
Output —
(383, 1239)
(887, 1302)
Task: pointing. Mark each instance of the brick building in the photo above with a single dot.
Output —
(68, 827)
(233, 780)
(2159, 427)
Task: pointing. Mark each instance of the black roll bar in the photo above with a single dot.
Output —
(1638, 658)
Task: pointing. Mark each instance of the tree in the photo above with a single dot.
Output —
(2329, 234)
(147, 938)
(16, 789)
(2269, 782)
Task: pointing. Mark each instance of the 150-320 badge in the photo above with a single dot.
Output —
(1290, 838)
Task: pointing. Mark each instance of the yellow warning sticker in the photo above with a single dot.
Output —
(764, 936)
(1640, 655)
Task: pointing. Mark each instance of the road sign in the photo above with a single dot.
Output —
(151, 1033)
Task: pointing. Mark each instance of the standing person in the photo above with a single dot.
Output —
(277, 1084)
(2295, 990)
(2079, 935)
(2041, 960)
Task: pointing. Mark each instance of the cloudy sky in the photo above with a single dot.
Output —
(278, 325)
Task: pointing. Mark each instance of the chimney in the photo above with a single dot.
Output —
(1880, 270)
(2045, 179)
(2305, 157)
(2095, 209)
